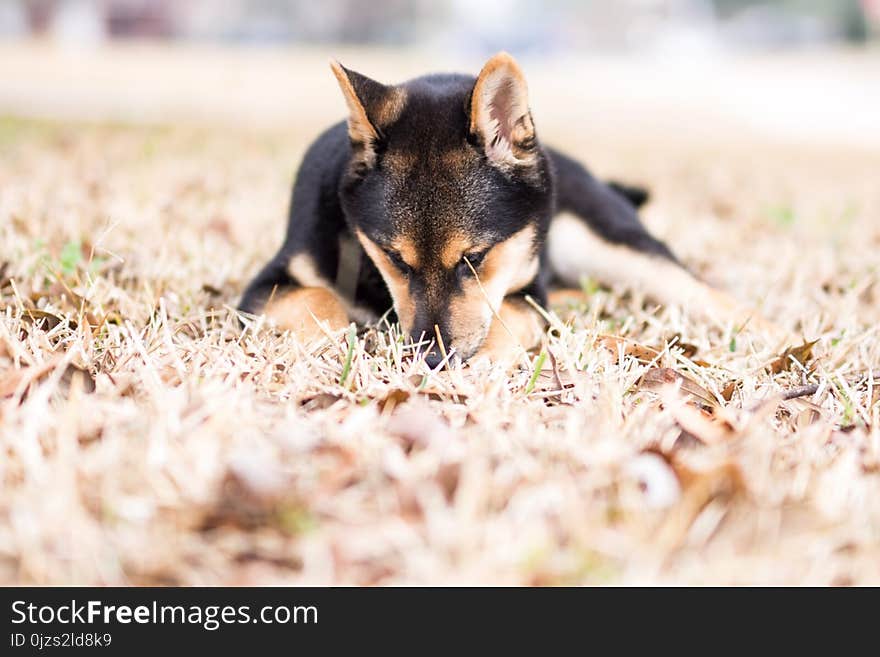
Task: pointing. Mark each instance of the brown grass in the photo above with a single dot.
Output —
(210, 455)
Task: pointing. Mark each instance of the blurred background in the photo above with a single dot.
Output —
(805, 70)
(547, 26)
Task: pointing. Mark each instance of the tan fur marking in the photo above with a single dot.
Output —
(391, 108)
(519, 328)
(455, 247)
(302, 268)
(508, 267)
(407, 250)
(397, 283)
(458, 160)
(400, 163)
(511, 264)
(359, 127)
(297, 311)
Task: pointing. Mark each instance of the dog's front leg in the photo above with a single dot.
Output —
(309, 312)
(516, 328)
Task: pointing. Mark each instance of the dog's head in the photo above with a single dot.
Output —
(450, 195)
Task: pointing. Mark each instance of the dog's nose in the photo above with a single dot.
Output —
(433, 359)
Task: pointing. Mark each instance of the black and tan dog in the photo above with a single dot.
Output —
(442, 183)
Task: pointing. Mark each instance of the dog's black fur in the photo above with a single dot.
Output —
(420, 167)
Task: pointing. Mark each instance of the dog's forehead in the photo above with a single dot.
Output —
(434, 193)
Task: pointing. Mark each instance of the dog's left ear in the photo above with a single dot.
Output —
(372, 106)
(499, 113)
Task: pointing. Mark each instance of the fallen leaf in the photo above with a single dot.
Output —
(660, 378)
(709, 429)
(800, 355)
(394, 398)
(688, 350)
(616, 344)
(320, 401)
(21, 379)
(727, 392)
(4, 278)
(808, 413)
(52, 320)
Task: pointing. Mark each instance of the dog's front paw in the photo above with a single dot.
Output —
(309, 312)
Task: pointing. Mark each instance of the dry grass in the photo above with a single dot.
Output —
(210, 455)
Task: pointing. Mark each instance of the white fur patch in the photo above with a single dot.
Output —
(576, 252)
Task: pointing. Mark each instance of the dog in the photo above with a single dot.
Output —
(436, 198)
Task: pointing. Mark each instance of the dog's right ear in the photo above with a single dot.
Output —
(372, 107)
(499, 113)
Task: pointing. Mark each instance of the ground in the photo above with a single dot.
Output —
(148, 439)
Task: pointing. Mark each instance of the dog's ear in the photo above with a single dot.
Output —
(499, 113)
(372, 107)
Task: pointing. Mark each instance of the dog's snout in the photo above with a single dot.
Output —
(429, 337)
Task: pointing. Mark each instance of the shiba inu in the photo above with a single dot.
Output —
(436, 198)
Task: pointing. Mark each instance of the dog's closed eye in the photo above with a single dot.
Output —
(398, 261)
(470, 262)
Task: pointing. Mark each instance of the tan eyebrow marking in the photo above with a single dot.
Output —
(407, 250)
(455, 247)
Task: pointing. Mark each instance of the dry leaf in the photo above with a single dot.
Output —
(616, 344)
(394, 398)
(4, 278)
(320, 401)
(20, 380)
(802, 355)
(709, 429)
(657, 379)
(808, 413)
(688, 350)
(727, 392)
(52, 320)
